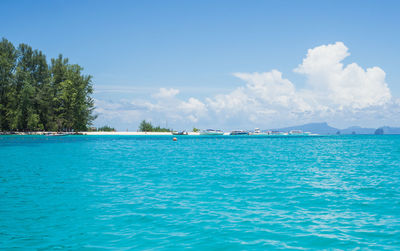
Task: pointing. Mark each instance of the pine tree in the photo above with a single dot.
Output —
(35, 96)
(8, 58)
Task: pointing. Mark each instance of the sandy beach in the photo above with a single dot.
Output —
(100, 133)
(126, 133)
(134, 133)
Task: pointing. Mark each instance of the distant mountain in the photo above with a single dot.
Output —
(325, 129)
(387, 130)
(357, 130)
(319, 128)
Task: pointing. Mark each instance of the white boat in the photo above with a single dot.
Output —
(277, 133)
(299, 133)
(296, 132)
(180, 133)
(257, 131)
(56, 134)
(211, 132)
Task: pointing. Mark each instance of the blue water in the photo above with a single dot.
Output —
(208, 193)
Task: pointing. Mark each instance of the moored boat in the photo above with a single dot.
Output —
(299, 133)
(239, 132)
(277, 133)
(56, 134)
(180, 133)
(211, 132)
(258, 132)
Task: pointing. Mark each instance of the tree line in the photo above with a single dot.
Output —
(148, 127)
(36, 96)
(105, 128)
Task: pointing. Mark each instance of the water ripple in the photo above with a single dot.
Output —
(228, 193)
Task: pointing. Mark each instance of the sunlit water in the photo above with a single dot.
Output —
(218, 193)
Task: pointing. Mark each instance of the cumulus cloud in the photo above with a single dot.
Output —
(263, 93)
(332, 90)
(193, 108)
(166, 93)
(334, 84)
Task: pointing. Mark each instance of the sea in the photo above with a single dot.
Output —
(200, 192)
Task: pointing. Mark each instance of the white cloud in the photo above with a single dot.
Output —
(340, 86)
(236, 102)
(266, 96)
(333, 91)
(166, 93)
(193, 105)
(269, 86)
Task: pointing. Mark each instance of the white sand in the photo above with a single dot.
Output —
(105, 133)
(133, 133)
(126, 133)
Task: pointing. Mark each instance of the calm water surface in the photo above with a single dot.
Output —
(210, 193)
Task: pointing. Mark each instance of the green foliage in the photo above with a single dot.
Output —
(145, 126)
(106, 129)
(160, 129)
(148, 127)
(35, 96)
(8, 57)
(196, 129)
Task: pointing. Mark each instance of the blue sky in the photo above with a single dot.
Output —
(194, 50)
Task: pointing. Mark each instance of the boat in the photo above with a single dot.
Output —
(180, 133)
(240, 132)
(277, 133)
(299, 133)
(258, 132)
(211, 132)
(56, 134)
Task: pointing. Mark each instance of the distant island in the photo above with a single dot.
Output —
(325, 129)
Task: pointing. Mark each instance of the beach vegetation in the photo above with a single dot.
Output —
(106, 129)
(148, 127)
(37, 96)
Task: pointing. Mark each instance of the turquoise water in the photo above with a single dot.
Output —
(209, 193)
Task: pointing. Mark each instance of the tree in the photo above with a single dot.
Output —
(8, 58)
(25, 90)
(148, 127)
(72, 90)
(43, 97)
(145, 126)
(106, 129)
(36, 96)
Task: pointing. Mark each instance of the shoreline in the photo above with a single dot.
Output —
(135, 133)
(152, 134)
(132, 134)
(96, 133)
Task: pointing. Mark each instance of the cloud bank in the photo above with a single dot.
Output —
(333, 92)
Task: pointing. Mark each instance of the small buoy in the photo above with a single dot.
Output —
(174, 139)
